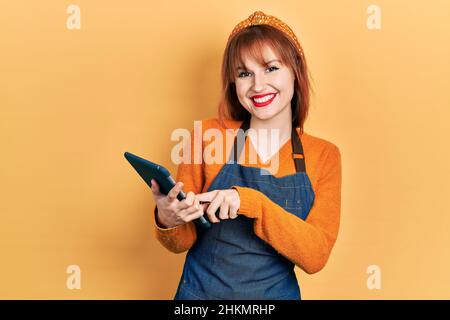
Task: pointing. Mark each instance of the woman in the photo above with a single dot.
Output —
(270, 222)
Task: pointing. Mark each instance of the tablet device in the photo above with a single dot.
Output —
(149, 170)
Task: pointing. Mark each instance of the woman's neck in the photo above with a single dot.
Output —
(282, 121)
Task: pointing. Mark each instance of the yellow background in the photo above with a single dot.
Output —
(73, 101)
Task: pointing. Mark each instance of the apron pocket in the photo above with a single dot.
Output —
(291, 205)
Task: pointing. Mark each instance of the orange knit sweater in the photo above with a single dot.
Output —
(307, 243)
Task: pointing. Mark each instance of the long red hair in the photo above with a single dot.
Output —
(251, 41)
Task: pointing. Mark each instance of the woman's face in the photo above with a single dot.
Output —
(265, 91)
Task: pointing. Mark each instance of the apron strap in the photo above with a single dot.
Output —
(237, 149)
(297, 151)
(297, 148)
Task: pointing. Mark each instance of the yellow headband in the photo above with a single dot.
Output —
(258, 17)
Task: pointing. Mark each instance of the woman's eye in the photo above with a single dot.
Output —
(242, 74)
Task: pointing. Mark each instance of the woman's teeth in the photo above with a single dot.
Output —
(264, 99)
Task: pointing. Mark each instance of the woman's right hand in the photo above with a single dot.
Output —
(173, 212)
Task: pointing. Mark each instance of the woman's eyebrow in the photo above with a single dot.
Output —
(266, 63)
(272, 61)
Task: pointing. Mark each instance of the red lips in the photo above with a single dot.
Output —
(262, 95)
(265, 103)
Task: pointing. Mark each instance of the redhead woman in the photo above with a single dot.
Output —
(263, 222)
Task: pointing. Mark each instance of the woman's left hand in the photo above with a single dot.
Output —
(228, 201)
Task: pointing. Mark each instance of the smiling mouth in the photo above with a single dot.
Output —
(264, 101)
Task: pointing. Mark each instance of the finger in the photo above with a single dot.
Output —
(190, 198)
(190, 209)
(212, 208)
(206, 196)
(155, 188)
(173, 193)
(233, 212)
(189, 201)
(223, 214)
(197, 214)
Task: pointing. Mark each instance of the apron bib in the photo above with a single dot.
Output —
(228, 261)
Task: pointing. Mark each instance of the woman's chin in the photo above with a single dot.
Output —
(263, 114)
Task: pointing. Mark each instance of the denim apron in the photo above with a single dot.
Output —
(228, 261)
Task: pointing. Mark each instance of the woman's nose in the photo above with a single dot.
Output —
(259, 82)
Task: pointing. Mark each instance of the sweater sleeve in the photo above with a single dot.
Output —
(180, 238)
(307, 243)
